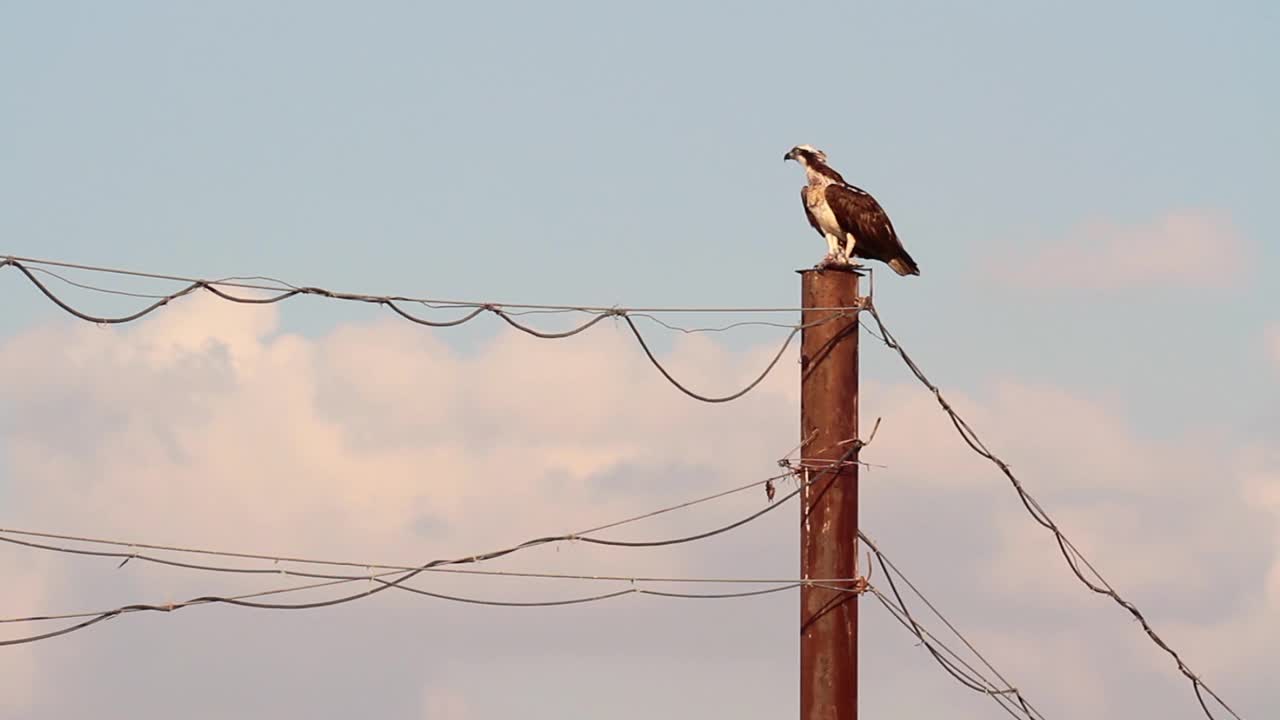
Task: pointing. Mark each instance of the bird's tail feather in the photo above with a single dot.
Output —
(904, 265)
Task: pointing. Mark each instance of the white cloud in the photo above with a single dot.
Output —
(1191, 249)
(207, 426)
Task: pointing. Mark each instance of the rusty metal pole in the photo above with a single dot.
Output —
(829, 512)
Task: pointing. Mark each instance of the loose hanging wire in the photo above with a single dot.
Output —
(1000, 693)
(1074, 558)
(505, 311)
(383, 585)
(132, 548)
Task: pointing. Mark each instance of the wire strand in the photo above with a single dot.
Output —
(133, 545)
(406, 576)
(1074, 558)
(133, 554)
(276, 285)
(890, 570)
(650, 316)
(961, 671)
(209, 599)
(600, 597)
(215, 287)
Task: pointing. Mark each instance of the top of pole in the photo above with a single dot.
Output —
(859, 270)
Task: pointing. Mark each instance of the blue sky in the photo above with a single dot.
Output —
(632, 155)
(594, 153)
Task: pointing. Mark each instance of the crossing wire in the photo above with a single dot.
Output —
(1074, 558)
(581, 536)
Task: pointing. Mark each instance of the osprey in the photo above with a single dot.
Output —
(850, 219)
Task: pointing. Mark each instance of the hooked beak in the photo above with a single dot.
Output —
(791, 155)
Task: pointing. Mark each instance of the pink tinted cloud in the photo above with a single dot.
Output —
(443, 704)
(279, 439)
(379, 442)
(27, 580)
(1181, 249)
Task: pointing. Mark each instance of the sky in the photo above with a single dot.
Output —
(1087, 188)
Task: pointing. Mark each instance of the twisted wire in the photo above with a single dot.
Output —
(961, 671)
(998, 693)
(382, 585)
(600, 597)
(473, 310)
(133, 545)
(1073, 556)
(133, 554)
(95, 616)
(240, 281)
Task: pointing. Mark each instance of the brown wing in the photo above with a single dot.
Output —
(859, 213)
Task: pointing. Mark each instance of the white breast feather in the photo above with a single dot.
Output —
(816, 200)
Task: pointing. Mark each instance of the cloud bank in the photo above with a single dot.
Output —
(210, 426)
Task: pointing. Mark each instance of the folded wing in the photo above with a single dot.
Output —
(859, 213)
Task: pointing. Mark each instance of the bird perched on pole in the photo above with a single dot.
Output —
(850, 219)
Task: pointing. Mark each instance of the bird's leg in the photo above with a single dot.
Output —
(847, 252)
(850, 241)
(833, 246)
(833, 252)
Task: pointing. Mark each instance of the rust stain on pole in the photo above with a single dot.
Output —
(829, 512)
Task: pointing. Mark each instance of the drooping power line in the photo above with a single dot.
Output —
(956, 667)
(132, 547)
(275, 285)
(1074, 558)
(651, 314)
(1005, 694)
(283, 291)
(98, 615)
(383, 585)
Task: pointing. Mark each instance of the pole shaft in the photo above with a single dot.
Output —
(829, 512)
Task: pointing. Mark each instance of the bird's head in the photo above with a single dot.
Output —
(806, 155)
